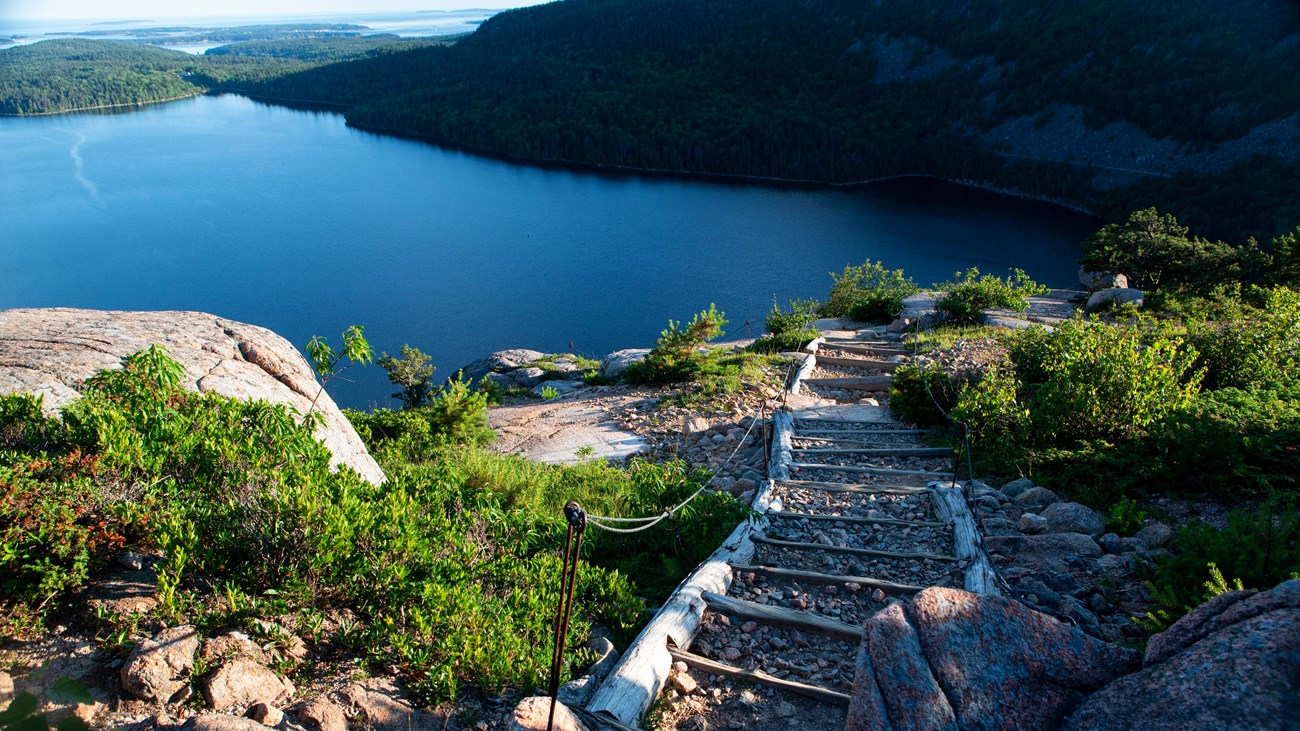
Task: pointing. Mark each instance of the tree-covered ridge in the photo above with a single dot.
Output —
(62, 75)
(65, 75)
(836, 91)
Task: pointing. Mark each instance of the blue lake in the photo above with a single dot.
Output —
(291, 220)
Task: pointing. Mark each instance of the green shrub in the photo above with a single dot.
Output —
(456, 416)
(1089, 380)
(923, 395)
(1233, 440)
(412, 373)
(675, 356)
(1254, 352)
(1156, 254)
(1259, 548)
(1124, 517)
(451, 566)
(868, 292)
(788, 330)
(965, 299)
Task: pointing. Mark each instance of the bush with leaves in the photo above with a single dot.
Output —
(969, 294)
(788, 330)
(675, 356)
(868, 292)
(413, 373)
(451, 566)
(1156, 253)
(923, 395)
(1257, 351)
(1258, 549)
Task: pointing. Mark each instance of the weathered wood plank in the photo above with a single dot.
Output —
(875, 384)
(950, 504)
(852, 519)
(864, 489)
(868, 470)
(778, 464)
(811, 691)
(864, 349)
(867, 364)
(805, 369)
(641, 673)
(781, 616)
(802, 546)
(851, 423)
(815, 577)
(849, 435)
(881, 452)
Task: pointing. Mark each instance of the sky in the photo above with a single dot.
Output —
(151, 9)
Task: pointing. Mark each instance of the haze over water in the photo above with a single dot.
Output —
(291, 220)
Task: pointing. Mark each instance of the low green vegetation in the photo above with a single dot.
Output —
(969, 294)
(1258, 549)
(868, 292)
(450, 568)
(787, 331)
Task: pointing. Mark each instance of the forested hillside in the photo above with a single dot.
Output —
(59, 75)
(64, 75)
(1125, 94)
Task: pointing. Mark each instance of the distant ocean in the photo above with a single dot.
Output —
(425, 23)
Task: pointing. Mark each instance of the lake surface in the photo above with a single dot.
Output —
(291, 220)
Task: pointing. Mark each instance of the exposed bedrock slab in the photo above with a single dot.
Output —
(952, 659)
(51, 351)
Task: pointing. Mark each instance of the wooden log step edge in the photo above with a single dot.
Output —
(816, 577)
(859, 488)
(802, 546)
(865, 349)
(856, 519)
(856, 423)
(869, 364)
(829, 433)
(869, 470)
(781, 616)
(882, 452)
(870, 383)
(811, 691)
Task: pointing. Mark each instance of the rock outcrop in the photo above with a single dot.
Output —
(950, 659)
(1234, 662)
(159, 667)
(51, 351)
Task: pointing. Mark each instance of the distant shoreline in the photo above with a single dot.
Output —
(104, 106)
(774, 181)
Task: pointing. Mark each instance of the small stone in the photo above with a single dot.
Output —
(322, 714)
(684, 683)
(1155, 535)
(6, 690)
(878, 596)
(159, 667)
(731, 654)
(852, 587)
(785, 709)
(679, 667)
(749, 627)
(265, 714)
(1032, 524)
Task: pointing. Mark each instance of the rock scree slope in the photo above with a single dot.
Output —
(51, 351)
